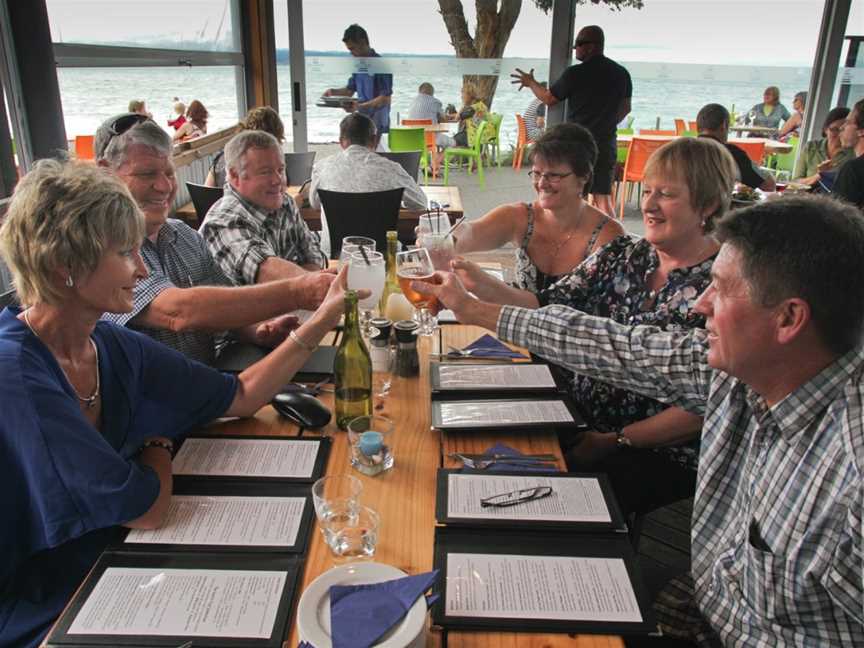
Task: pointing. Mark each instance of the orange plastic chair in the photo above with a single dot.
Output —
(693, 126)
(680, 127)
(755, 150)
(639, 151)
(84, 147)
(522, 142)
(431, 146)
(648, 131)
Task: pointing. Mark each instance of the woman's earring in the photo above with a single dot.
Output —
(69, 282)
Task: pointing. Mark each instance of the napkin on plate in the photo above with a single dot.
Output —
(362, 614)
(523, 466)
(490, 347)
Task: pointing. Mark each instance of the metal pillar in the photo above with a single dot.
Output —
(560, 52)
(297, 61)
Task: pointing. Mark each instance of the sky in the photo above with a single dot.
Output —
(767, 32)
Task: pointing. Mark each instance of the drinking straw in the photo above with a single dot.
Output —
(365, 257)
(455, 225)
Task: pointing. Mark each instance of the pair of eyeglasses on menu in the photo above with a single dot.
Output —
(517, 497)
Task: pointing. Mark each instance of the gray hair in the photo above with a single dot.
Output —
(114, 148)
(65, 216)
(235, 150)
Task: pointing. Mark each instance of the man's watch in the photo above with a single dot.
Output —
(622, 441)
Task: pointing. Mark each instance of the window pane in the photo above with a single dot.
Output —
(209, 25)
(91, 95)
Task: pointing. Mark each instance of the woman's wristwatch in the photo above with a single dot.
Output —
(622, 441)
(159, 443)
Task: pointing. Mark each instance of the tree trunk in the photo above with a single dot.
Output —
(491, 35)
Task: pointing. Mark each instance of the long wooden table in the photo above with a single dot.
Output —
(405, 495)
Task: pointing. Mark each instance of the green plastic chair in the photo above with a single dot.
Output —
(622, 150)
(492, 138)
(471, 153)
(783, 163)
(410, 139)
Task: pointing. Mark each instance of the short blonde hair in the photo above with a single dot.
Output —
(64, 216)
(705, 166)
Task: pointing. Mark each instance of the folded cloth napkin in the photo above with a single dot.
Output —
(362, 614)
(523, 466)
(490, 347)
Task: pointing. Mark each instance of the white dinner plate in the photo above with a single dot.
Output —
(313, 611)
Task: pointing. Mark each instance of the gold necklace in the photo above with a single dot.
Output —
(89, 401)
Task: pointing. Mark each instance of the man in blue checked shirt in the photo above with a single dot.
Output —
(186, 301)
(777, 555)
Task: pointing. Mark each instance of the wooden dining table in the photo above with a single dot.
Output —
(405, 495)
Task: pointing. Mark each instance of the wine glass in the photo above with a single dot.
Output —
(366, 269)
(351, 244)
(416, 264)
(751, 117)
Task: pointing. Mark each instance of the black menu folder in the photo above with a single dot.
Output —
(176, 586)
(492, 414)
(300, 494)
(461, 380)
(509, 517)
(237, 356)
(496, 579)
(323, 445)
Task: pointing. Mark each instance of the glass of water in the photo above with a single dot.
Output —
(351, 533)
(341, 490)
(351, 244)
(366, 270)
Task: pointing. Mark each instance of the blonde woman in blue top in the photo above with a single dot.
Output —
(92, 410)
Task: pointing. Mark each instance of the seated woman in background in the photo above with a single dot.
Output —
(649, 450)
(92, 409)
(557, 231)
(263, 118)
(793, 125)
(473, 112)
(196, 124)
(770, 112)
(826, 154)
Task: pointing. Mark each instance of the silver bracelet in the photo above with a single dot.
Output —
(301, 343)
(159, 443)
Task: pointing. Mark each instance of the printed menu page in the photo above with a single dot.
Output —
(185, 602)
(562, 588)
(247, 458)
(222, 520)
(465, 414)
(573, 499)
(525, 376)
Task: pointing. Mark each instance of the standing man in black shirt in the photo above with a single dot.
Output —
(849, 184)
(598, 93)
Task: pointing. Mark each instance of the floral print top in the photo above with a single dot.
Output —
(613, 283)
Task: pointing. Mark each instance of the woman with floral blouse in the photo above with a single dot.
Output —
(649, 450)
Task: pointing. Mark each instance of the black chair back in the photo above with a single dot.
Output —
(408, 160)
(203, 198)
(8, 298)
(360, 214)
(298, 167)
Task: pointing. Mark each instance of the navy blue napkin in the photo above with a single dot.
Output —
(490, 347)
(521, 466)
(362, 614)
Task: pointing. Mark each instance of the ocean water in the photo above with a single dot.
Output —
(90, 95)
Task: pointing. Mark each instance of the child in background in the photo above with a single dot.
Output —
(180, 112)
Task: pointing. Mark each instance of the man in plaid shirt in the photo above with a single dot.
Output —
(186, 301)
(255, 232)
(777, 555)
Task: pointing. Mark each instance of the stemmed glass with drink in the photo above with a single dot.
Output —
(366, 270)
(433, 233)
(416, 265)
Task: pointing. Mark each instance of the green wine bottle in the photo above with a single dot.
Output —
(391, 285)
(352, 369)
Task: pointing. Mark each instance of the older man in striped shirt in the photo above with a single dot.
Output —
(777, 548)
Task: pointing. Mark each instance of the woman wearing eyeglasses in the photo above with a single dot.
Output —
(91, 410)
(559, 229)
(826, 154)
(649, 450)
